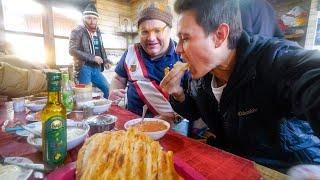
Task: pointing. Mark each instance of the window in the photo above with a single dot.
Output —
(23, 16)
(64, 20)
(62, 52)
(29, 48)
(24, 30)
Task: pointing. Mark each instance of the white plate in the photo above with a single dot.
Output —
(75, 135)
(304, 172)
(17, 172)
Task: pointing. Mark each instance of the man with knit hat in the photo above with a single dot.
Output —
(142, 65)
(87, 49)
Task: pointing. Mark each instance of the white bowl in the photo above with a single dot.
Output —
(101, 105)
(37, 105)
(154, 135)
(75, 137)
(304, 171)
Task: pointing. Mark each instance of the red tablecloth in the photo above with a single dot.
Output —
(210, 162)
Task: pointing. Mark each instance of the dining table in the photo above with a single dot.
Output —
(206, 161)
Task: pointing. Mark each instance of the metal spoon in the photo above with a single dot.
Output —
(39, 167)
(144, 111)
(36, 133)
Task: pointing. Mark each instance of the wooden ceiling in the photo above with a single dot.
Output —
(125, 1)
(80, 4)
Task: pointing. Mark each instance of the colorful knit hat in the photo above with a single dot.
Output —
(154, 10)
(90, 10)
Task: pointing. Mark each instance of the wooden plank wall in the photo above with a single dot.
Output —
(312, 25)
(284, 6)
(2, 36)
(109, 11)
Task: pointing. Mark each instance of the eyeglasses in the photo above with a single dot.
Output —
(156, 31)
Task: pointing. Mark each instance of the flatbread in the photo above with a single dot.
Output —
(178, 65)
(124, 155)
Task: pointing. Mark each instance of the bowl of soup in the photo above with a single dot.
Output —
(155, 128)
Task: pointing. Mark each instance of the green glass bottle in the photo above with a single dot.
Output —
(67, 93)
(54, 129)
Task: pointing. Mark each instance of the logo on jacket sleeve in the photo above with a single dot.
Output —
(133, 67)
(247, 112)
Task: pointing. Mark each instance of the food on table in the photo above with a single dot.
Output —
(54, 130)
(101, 123)
(10, 172)
(150, 126)
(100, 102)
(124, 155)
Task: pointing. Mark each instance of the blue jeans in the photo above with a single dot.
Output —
(90, 74)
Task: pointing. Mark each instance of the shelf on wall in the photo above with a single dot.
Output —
(295, 35)
(127, 33)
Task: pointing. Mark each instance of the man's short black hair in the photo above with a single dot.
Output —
(211, 13)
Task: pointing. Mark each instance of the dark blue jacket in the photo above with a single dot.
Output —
(273, 80)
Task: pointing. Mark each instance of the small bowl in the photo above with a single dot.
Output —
(74, 139)
(101, 123)
(37, 105)
(38, 96)
(154, 135)
(76, 115)
(101, 106)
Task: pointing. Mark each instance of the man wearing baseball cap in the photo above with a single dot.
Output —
(88, 52)
(142, 65)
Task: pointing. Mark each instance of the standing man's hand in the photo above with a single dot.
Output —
(107, 66)
(116, 95)
(98, 60)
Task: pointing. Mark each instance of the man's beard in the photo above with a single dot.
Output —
(91, 29)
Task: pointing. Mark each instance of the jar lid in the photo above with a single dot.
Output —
(83, 88)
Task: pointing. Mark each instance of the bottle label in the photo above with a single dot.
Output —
(67, 98)
(54, 86)
(55, 142)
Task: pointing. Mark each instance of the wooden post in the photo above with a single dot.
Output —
(2, 34)
(48, 33)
